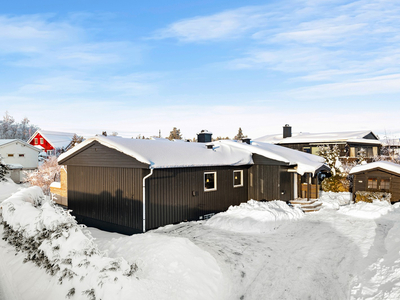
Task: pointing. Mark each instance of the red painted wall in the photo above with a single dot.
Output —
(45, 143)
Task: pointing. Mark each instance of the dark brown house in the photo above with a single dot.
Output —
(350, 143)
(132, 185)
(381, 176)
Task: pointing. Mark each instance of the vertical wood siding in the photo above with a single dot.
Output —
(112, 197)
(176, 195)
(363, 186)
(266, 182)
(108, 195)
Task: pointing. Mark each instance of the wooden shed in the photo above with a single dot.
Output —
(381, 176)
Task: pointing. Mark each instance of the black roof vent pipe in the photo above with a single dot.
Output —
(287, 131)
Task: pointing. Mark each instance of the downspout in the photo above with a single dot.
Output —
(144, 198)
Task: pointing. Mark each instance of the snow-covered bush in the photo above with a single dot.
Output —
(51, 238)
(370, 197)
(338, 182)
(3, 169)
(45, 175)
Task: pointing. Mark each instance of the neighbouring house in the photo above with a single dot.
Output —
(19, 156)
(377, 177)
(52, 142)
(59, 190)
(350, 143)
(132, 185)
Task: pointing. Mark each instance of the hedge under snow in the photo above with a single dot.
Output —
(51, 238)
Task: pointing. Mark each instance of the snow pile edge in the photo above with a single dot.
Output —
(255, 216)
(50, 237)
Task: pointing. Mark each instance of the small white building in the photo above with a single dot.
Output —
(19, 155)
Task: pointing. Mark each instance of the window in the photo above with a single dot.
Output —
(36, 141)
(372, 183)
(10, 155)
(22, 155)
(307, 149)
(41, 141)
(238, 178)
(210, 181)
(384, 184)
(251, 179)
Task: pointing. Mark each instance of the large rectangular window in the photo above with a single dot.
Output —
(238, 178)
(210, 181)
(372, 183)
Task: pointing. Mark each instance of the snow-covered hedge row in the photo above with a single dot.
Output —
(51, 238)
(255, 216)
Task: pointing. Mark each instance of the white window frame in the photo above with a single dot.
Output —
(10, 155)
(215, 181)
(241, 178)
(36, 141)
(41, 141)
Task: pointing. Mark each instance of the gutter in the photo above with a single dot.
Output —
(144, 198)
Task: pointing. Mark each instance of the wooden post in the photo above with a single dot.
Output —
(308, 186)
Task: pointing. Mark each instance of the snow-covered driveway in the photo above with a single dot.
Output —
(312, 258)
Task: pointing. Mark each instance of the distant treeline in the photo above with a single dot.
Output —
(9, 129)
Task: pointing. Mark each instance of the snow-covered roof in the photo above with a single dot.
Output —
(5, 142)
(56, 139)
(305, 162)
(326, 137)
(385, 165)
(166, 154)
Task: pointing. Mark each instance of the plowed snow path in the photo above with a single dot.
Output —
(313, 258)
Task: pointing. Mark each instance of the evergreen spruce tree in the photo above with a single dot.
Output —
(239, 135)
(175, 134)
(76, 139)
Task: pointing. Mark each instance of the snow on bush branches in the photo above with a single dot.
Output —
(45, 175)
(51, 238)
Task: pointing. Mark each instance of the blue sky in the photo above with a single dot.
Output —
(139, 66)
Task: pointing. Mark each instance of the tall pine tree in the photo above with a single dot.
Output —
(175, 134)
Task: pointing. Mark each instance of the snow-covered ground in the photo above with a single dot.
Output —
(252, 251)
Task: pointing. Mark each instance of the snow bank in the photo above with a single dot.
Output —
(50, 237)
(170, 267)
(255, 216)
(7, 188)
(333, 200)
(367, 210)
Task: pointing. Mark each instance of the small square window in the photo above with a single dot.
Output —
(10, 155)
(238, 178)
(21, 155)
(384, 184)
(372, 183)
(210, 181)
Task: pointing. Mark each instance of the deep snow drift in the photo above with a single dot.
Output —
(332, 254)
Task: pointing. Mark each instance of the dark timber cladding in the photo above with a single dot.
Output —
(269, 180)
(360, 181)
(177, 194)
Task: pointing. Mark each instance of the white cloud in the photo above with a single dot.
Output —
(227, 24)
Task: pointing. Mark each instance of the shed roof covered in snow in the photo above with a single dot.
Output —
(160, 154)
(383, 165)
(367, 137)
(55, 138)
(306, 163)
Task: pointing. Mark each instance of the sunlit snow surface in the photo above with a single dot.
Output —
(331, 254)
